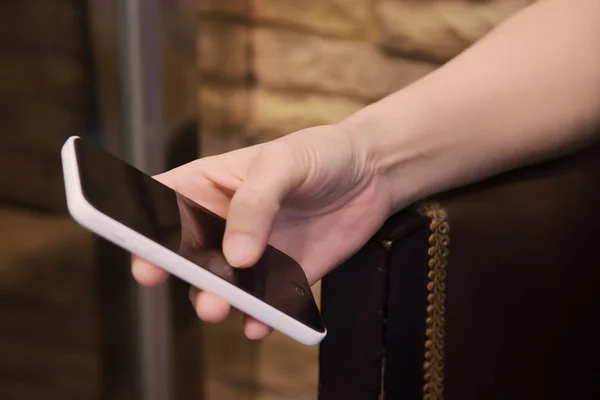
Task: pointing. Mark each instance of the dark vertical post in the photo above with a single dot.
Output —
(130, 43)
(139, 28)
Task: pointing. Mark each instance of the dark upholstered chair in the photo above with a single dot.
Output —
(487, 292)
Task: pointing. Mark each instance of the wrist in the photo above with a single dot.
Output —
(399, 146)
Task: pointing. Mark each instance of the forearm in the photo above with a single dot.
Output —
(528, 91)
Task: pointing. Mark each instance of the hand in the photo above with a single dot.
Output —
(313, 194)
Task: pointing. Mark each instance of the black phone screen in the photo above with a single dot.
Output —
(141, 203)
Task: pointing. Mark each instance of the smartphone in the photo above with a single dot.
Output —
(134, 211)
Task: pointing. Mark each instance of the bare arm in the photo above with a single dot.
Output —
(528, 91)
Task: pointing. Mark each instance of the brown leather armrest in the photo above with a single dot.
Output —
(518, 316)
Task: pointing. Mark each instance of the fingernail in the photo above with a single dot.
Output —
(239, 249)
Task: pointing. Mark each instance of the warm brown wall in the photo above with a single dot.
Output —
(43, 97)
(270, 67)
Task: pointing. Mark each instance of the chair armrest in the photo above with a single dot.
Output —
(512, 307)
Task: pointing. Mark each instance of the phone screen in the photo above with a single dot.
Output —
(141, 203)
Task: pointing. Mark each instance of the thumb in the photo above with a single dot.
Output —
(255, 205)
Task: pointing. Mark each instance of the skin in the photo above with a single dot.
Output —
(528, 91)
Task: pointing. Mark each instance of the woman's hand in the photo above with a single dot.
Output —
(512, 99)
(312, 194)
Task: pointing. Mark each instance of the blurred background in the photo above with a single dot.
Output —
(159, 83)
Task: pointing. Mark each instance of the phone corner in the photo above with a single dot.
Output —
(315, 338)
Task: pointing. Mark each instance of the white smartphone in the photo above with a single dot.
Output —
(134, 211)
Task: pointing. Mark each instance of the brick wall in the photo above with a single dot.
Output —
(271, 67)
(43, 97)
